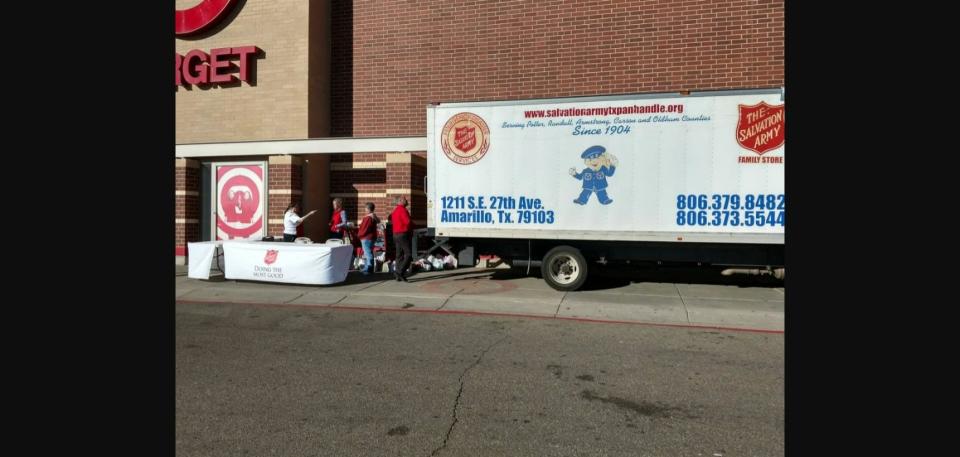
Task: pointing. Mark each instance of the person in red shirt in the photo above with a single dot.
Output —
(368, 235)
(402, 231)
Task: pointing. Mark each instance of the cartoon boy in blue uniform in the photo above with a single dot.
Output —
(600, 165)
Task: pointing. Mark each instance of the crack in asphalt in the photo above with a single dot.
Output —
(451, 296)
(294, 298)
(557, 311)
(456, 403)
(683, 302)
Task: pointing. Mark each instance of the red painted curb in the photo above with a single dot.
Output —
(481, 313)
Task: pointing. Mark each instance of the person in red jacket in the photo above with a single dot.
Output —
(402, 231)
(368, 235)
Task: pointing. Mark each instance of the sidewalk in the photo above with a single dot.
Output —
(503, 292)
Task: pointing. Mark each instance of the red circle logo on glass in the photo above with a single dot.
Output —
(239, 212)
(202, 16)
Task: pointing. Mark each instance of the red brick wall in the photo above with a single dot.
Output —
(392, 57)
(282, 177)
(418, 202)
(187, 205)
(359, 181)
(356, 184)
(398, 177)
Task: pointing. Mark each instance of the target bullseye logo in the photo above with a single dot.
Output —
(202, 16)
(239, 212)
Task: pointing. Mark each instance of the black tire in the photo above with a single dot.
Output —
(564, 268)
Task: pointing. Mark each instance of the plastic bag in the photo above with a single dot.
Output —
(450, 261)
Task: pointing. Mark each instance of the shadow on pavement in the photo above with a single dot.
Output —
(606, 277)
(601, 277)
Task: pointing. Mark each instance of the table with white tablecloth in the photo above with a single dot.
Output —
(203, 256)
(294, 263)
(286, 262)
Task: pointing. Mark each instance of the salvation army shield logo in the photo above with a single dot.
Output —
(239, 202)
(465, 138)
(271, 256)
(760, 128)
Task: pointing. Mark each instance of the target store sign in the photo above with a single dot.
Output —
(240, 201)
(220, 66)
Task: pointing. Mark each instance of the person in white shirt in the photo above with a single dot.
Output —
(291, 220)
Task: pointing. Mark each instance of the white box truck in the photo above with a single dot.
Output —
(565, 183)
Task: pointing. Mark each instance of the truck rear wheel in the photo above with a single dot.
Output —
(564, 268)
